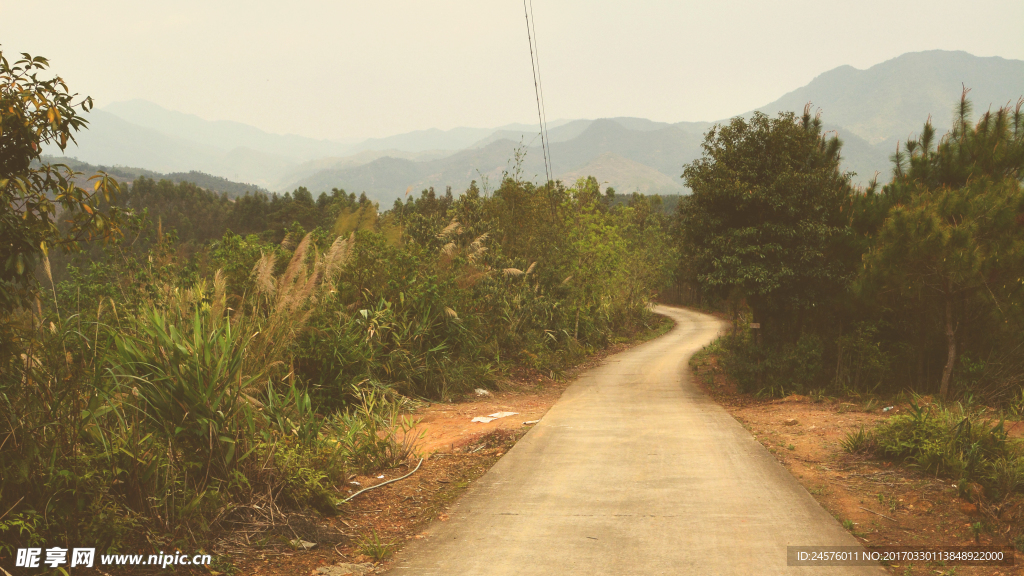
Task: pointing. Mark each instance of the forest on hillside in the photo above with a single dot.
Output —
(170, 355)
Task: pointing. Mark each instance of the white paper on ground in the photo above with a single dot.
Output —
(495, 416)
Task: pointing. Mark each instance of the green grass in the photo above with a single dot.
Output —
(375, 547)
(857, 441)
(954, 441)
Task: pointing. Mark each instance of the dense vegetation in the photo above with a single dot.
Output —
(916, 285)
(213, 357)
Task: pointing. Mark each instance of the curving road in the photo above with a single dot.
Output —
(632, 471)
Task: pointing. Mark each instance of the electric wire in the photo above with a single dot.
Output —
(536, 89)
(540, 84)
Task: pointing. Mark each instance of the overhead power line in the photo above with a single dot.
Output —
(531, 36)
(540, 85)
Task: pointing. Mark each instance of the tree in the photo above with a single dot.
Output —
(34, 195)
(766, 220)
(953, 243)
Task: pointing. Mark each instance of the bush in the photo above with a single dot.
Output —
(954, 442)
(859, 441)
(189, 383)
(792, 368)
(373, 435)
(864, 363)
(305, 475)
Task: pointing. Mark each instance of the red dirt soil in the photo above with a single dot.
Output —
(888, 503)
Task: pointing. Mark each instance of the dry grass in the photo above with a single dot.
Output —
(283, 304)
(473, 252)
(450, 230)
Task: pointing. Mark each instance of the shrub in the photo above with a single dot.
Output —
(954, 442)
(792, 368)
(863, 363)
(859, 441)
(189, 383)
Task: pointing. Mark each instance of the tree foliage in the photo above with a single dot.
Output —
(935, 304)
(952, 245)
(766, 221)
(36, 111)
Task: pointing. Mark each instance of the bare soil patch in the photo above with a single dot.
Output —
(888, 503)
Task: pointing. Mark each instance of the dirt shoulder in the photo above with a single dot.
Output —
(456, 451)
(888, 504)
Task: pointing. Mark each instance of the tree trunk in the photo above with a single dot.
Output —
(947, 372)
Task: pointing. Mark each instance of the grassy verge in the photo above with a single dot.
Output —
(956, 442)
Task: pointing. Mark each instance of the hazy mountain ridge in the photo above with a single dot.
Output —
(658, 147)
(387, 178)
(610, 168)
(336, 163)
(665, 149)
(869, 109)
(126, 175)
(892, 100)
(224, 134)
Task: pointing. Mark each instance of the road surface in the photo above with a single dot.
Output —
(632, 472)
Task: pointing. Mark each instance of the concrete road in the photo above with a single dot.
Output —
(632, 471)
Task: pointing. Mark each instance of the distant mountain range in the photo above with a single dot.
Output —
(870, 110)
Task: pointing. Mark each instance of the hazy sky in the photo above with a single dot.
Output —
(347, 70)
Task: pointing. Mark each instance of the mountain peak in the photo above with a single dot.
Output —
(898, 95)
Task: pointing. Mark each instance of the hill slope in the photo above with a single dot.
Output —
(223, 134)
(626, 176)
(891, 100)
(127, 175)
